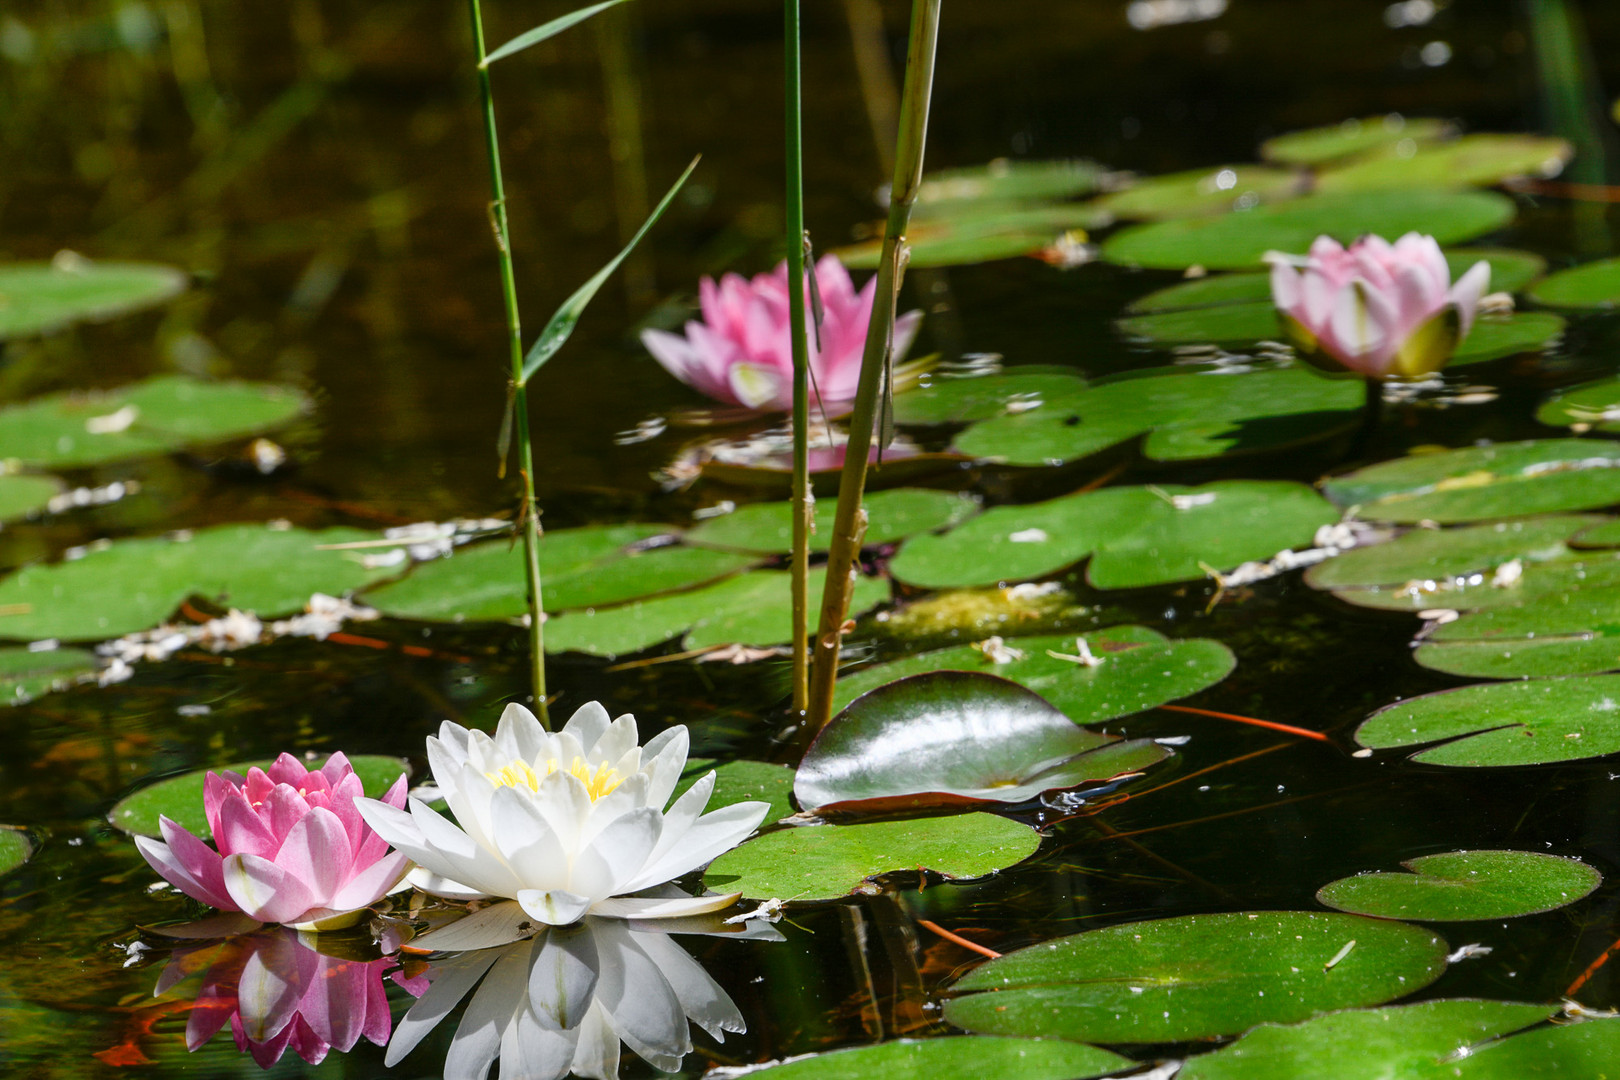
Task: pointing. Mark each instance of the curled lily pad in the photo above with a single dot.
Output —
(1237, 241)
(956, 738)
(15, 848)
(1535, 722)
(1494, 337)
(1480, 482)
(180, 798)
(1198, 192)
(767, 528)
(1590, 285)
(25, 674)
(742, 781)
(1590, 406)
(1573, 632)
(1355, 136)
(1195, 977)
(830, 861)
(37, 297)
(157, 416)
(1478, 160)
(1461, 886)
(945, 400)
(958, 1055)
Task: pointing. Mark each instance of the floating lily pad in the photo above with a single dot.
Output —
(1213, 290)
(1471, 161)
(1587, 1049)
(956, 738)
(958, 1055)
(1195, 977)
(1197, 192)
(1478, 482)
(743, 781)
(26, 674)
(1185, 416)
(1496, 336)
(1357, 136)
(974, 234)
(1412, 1042)
(15, 848)
(750, 609)
(1590, 285)
(594, 566)
(1140, 669)
(1136, 536)
(767, 528)
(135, 584)
(157, 416)
(22, 495)
(1593, 405)
(829, 861)
(1237, 241)
(1565, 633)
(1004, 181)
(1218, 323)
(180, 798)
(37, 297)
(1514, 723)
(1464, 886)
(962, 400)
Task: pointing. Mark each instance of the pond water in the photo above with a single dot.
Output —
(317, 167)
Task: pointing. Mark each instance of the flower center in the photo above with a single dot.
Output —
(520, 774)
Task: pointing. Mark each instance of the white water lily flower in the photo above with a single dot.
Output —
(567, 824)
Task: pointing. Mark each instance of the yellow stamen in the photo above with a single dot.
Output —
(520, 774)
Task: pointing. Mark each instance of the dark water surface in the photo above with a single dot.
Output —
(317, 165)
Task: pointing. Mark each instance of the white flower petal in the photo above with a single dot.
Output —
(562, 978)
(519, 734)
(531, 1051)
(554, 907)
(436, 885)
(477, 1041)
(452, 979)
(616, 855)
(641, 1006)
(619, 739)
(487, 928)
(701, 998)
(663, 760)
(587, 724)
(712, 835)
(662, 907)
(527, 842)
(452, 853)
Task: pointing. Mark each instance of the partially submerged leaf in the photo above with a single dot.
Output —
(1464, 886)
(946, 400)
(955, 1055)
(1589, 406)
(22, 495)
(26, 673)
(38, 297)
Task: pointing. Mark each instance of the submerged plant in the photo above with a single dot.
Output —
(292, 847)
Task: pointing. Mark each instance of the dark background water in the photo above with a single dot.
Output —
(318, 167)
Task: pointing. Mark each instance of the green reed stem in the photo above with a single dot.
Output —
(530, 512)
(850, 523)
(803, 506)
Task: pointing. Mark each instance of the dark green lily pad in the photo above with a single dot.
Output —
(180, 798)
(1218, 323)
(767, 528)
(975, 234)
(1004, 181)
(1136, 535)
(749, 609)
(957, 1055)
(1213, 290)
(15, 848)
(1185, 416)
(1590, 285)
(1496, 336)
(1357, 136)
(1590, 406)
(743, 781)
(961, 400)
(594, 566)
(38, 297)
(1587, 1049)
(1465, 886)
(160, 415)
(1411, 1042)
(1478, 160)
(956, 738)
(1479, 482)
(829, 861)
(22, 495)
(132, 585)
(1514, 723)
(1198, 192)
(26, 674)
(1195, 977)
(1237, 241)
(1566, 633)
(1141, 669)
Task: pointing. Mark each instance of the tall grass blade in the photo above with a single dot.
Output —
(798, 249)
(546, 30)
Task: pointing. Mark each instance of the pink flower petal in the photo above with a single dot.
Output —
(1466, 295)
(287, 769)
(317, 853)
(162, 858)
(242, 831)
(266, 891)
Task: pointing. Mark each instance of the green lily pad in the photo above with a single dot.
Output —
(597, 565)
(743, 781)
(38, 297)
(1136, 536)
(22, 495)
(1357, 136)
(1195, 977)
(1511, 269)
(1237, 241)
(160, 415)
(1593, 405)
(1479, 482)
(1587, 1049)
(15, 848)
(180, 798)
(26, 674)
(1198, 192)
(1514, 723)
(956, 738)
(1218, 323)
(749, 609)
(1412, 1042)
(1465, 886)
(829, 861)
(1472, 161)
(1185, 416)
(1003, 181)
(975, 234)
(1590, 285)
(1567, 633)
(1141, 669)
(1213, 290)
(767, 528)
(962, 400)
(957, 1055)
(132, 585)
(1496, 336)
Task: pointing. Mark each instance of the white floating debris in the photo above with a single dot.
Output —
(1083, 655)
(46, 645)
(1028, 536)
(1152, 14)
(648, 429)
(1174, 740)
(113, 422)
(1030, 590)
(743, 654)
(998, 651)
(770, 911)
(1468, 952)
(1508, 574)
(719, 509)
(266, 456)
(195, 710)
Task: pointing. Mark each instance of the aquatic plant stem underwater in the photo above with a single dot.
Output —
(850, 521)
(803, 507)
(529, 514)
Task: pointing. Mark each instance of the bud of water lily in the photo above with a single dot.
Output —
(1379, 310)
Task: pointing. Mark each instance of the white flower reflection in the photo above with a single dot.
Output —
(563, 1000)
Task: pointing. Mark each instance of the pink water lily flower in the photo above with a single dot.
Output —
(742, 352)
(292, 846)
(1380, 310)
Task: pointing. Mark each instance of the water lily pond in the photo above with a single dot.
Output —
(1230, 682)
